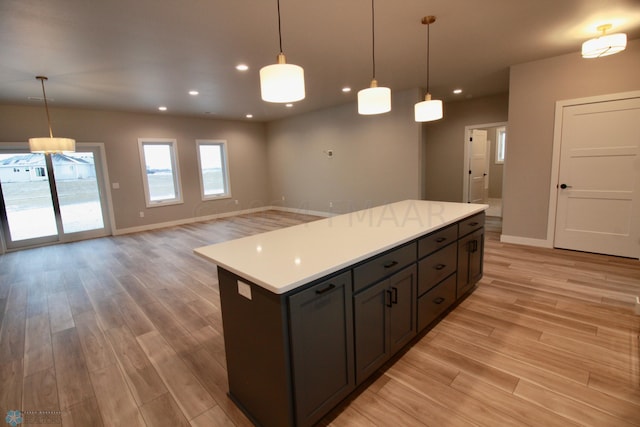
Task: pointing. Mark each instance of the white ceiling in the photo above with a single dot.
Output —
(135, 55)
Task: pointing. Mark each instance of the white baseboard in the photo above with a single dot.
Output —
(303, 211)
(149, 227)
(527, 241)
(184, 221)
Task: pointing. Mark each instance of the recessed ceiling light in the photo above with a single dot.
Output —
(162, 108)
(249, 116)
(194, 92)
(242, 67)
(346, 89)
(289, 105)
(457, 91)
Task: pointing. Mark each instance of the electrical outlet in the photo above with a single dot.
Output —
(638, 306)
(283, 198)
(236, 202)
(330, 204)
(141, 214)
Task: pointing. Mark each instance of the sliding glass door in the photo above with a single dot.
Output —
(51, 198)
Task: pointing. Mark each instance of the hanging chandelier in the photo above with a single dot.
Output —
(429, 109)
(50, 144)
(374, 99)
(282, 82)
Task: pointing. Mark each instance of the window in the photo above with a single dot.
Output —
(160, 172)
(214, 171)
(501, 142)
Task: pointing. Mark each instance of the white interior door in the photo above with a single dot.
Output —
(598, 205)
(478, 166)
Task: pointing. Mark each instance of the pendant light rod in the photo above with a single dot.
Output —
(46, 105)
(428, 20)
(279, 28)
(373, 38)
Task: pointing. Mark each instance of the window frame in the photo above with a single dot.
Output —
(175, 165)
(501, 144)
(224, 160)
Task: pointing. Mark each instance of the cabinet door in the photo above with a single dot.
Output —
(470, 260)
(321, 347)
(402, 315)
(370, 313)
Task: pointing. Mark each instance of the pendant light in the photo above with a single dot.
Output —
(282, 82)
(429, 109)
(49, 145)
(605, 45)
(374, 99)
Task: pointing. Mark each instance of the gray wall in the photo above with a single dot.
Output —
(444, 150)
(119, 131)
(376, 159)
(533, 90)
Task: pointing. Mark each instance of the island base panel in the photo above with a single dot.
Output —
(257, 362)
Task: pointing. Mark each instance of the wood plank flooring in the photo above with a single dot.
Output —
(127, 331)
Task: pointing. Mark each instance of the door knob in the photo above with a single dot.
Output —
(563, 186)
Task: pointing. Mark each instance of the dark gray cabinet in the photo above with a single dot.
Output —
(384, 320)
(321, 347)
(470, 260)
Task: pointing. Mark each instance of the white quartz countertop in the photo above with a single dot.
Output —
(284, 259)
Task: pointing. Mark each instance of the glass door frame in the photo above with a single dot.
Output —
(61, 237)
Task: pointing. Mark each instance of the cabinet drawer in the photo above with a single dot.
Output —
(383, 265)
(436, 267)
(436, 301)
(437, 240)
(470, 224)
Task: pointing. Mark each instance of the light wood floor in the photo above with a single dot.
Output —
(127, 331)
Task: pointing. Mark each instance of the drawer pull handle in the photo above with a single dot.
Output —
(473, 224)
(439, 300)
(439, 266)
(389, 298)
(440, 239)
(326, 289)
(391, 264)
(394, 298)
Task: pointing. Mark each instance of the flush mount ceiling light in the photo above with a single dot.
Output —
(282, 82)
(605, 45)
(429, 109)
(50, 145)
(374, 99)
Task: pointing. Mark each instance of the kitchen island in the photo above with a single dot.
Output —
(311, 311)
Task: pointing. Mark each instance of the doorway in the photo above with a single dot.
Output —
(52, 198)
(484, 165)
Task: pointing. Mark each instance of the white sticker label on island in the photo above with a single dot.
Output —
(244, 289)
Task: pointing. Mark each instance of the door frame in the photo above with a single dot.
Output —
(103, 186)
(557, 141)
(465, 157)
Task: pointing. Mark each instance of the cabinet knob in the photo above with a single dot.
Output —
(439, 266)
(440, 239)
(439, 300)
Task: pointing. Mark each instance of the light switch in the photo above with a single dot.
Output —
(115, 185)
